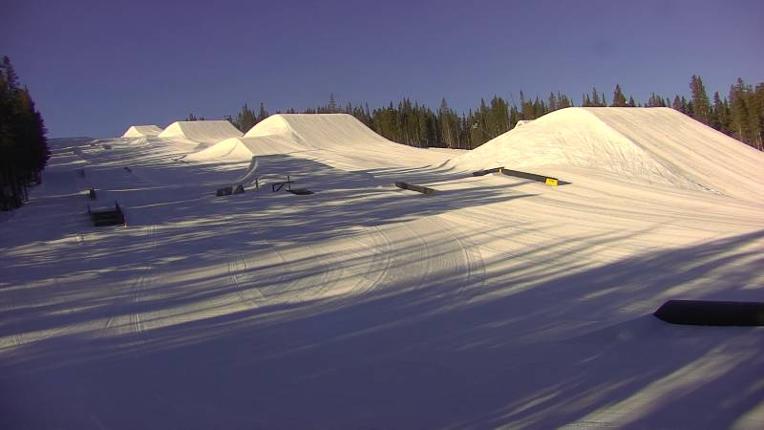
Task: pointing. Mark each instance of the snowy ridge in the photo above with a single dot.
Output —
(649, 145)
(200, 131)
(142, 131)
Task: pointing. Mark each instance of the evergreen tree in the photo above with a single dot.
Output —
(680, 104)
(700, 106)
(656, 101)
(619, 100)
(24, 148)
(596, 98)
(448, 122)
(552, 102)
(245, 119)
(192, 117)
(262, 113)
(719, 114)
(563, 101)
(332, 106)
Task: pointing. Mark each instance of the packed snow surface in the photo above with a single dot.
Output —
(494, 302)
(142, 131)
(200, 131)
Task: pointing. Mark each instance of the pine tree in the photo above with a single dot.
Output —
(552, 102)
(700, 106)
(563, 101)
(24, 148)
(680, 104)
(448, 125)
(262, 113)
(332, 106)
(245, 119)
(619, 100)
(719, 115)
(596, 98)
(656, 101)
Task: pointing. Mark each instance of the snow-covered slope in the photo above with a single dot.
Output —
(142, 131)
(650, 145)
(200, 131)
(494, 302)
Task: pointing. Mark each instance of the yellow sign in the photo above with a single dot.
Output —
(552, 182)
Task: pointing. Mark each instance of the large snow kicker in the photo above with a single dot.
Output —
(244, 148)
(350, 141)
(142, 131)
(319, 130)
(200, 131)
(649, 145)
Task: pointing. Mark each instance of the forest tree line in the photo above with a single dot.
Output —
(739, 114)
(23, 145)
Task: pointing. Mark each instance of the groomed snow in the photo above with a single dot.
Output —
(200, 131)
(494, 302)
(142, 131)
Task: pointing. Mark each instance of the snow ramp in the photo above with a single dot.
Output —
(648, 145)
(244, 148)
(315, 131)
(336, 139)
(142, 131)
(200, 131)
(341, 140)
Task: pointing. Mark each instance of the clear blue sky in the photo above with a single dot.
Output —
(96, 67)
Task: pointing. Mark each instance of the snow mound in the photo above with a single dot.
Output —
(338, 139)
(651, 145)
(200, 131)
(142, 131)
(244, 148)
(315, 131)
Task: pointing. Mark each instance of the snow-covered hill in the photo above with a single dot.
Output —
(205, 132)
(649, 145)
(337, 139)
(142, 131)
(494, 302)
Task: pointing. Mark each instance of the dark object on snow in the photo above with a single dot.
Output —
(277, 186)
(300, 191)
(81, 173)
(702, 312)
(225, 191)
(239, 189)
(533, 177)
(92, 194)
(487, 171)
(128, 169)
(106, 146)
(412, 187)
(107, 217)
